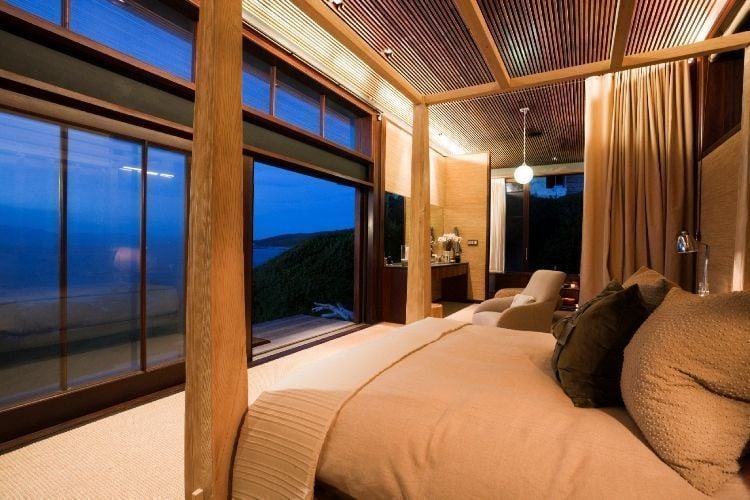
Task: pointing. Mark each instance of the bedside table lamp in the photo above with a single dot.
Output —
(688, 244)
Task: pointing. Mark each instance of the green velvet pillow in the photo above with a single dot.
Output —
(565, 326)
(588, 357)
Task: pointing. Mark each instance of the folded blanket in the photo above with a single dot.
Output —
(284, 430)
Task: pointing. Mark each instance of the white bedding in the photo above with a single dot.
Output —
(478, 414)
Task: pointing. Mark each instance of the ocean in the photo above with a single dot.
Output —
(264, 254)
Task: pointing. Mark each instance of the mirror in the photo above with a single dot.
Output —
(396, 232)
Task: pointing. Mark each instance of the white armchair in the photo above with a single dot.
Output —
(544, 286)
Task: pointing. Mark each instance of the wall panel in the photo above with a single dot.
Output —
(718, 206)
(466, 204)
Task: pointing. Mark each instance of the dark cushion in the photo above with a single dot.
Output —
(565, 326)
(654, 286)
(589, 352)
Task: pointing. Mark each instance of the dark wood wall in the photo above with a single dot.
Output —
(723, 98)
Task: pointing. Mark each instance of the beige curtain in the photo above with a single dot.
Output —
(497, 226)
(639, 175)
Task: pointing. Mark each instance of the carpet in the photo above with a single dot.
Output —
(137, 453)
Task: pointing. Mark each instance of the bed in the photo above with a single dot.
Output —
(441, 409)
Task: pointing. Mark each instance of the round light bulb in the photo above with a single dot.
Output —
(523, 174)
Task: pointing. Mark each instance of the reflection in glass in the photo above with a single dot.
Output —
(393, 226)
(104, 191)
(303, 246)
(341, 125)
(298, 104)
(514, 221)
(555, 222)
(256, 83)
(29, 258)
(144, 29)
(165, 255)
(49, 10)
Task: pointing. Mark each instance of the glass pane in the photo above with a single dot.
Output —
(555, 221)
(29, 258)
(256, 83)
(514, 199)
(303, 252)
(51, 10)
(514, 244)
(104, 213)
(341, 125)
(393, 230)
(165, 255)
(297, 103)
(144, 29)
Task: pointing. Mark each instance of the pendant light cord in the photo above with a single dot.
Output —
(524, 136)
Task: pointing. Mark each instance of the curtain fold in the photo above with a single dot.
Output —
(639, 180)
(497, 226)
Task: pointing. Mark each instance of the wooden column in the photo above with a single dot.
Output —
(741, 273)
(216, 363)
(419, 286)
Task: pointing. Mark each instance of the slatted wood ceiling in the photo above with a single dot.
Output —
(431, 45)
(534, 36)
(659, 24)
(555, 124)
(434, 52)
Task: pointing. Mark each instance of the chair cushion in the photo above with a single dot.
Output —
(507, 292)
(588, 356)
(654, 286)
(545, 285)
(686, 383)
(521, 300)
(486, 318)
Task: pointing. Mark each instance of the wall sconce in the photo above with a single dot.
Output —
(687, 244)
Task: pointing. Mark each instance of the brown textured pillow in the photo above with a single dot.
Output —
(654, 286)
(686, 383)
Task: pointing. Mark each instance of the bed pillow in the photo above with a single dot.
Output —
(562, 329)
(588, 356)
(654, 286)
(522, 300)
(686, 383)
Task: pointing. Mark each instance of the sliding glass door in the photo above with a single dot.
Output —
(91, 259)
(303, 254)
(30, 271)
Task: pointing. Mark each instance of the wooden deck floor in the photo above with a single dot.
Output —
(282, 333)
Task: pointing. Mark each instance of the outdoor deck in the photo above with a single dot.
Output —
(285, 332)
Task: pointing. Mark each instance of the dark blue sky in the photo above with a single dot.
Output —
(288, 202)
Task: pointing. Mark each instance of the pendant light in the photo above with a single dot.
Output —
(523, 173)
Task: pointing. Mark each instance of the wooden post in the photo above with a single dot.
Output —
(216, 362)
(418, 285)
(741, 272)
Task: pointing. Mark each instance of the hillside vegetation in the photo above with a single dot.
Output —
(318, 269)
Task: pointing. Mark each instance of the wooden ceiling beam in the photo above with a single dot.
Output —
(464, 93)
(333, 24)
(480, 32)
(560, 75)
(623, 21)
(706, 47)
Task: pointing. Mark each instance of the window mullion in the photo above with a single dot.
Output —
(526, 222)
(143, 298)
(63, 260)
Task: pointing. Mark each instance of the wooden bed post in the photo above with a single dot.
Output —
(741, 271)
(216, 362)
(418, 284)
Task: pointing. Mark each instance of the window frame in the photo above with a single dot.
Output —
(527, 218)
(362, 193)
(23, 23)
(36, 419)
(25, 418)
